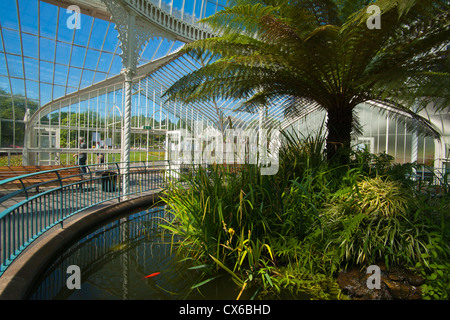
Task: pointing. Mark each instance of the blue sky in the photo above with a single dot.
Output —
(42, 59)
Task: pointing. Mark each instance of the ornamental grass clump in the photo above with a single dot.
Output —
(381, 197)
(374, 221)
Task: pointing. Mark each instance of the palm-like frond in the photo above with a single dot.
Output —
(321, 52)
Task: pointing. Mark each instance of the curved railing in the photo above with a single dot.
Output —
(34, 203)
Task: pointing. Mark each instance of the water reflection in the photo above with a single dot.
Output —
(115, 259)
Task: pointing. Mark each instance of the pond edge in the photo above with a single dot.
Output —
(20, 277)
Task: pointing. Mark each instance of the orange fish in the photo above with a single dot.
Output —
(151, 275)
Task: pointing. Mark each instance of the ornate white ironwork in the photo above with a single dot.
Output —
(134, 32)
(129, 74)
(180, 27)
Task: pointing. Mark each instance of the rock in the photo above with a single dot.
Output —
(414, 279)
(398, 289)
(395, 284)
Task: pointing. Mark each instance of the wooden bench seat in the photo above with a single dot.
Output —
(67, 176)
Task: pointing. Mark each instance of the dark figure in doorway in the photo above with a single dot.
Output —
(82, 156)
(100, 156)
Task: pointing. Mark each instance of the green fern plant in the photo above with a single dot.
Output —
(321, 53)
(373, 221)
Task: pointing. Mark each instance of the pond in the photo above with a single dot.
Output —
(131, 258)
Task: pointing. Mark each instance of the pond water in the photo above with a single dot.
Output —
(115, 259)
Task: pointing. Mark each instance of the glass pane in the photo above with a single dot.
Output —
(8, 14)
(31, 69)
(148, 53)
(198, 10)
(33, 105)
(18, 87)
(28, 16)
(91, 59)
(88, 76)
(61, 74)
(47, 48)
(188, 10)
(12, 41)
(382, 143)
(6, 110)
(48, 17)
(62, 53)
(19, 108)
(98, 34)
(15, 66)
(32, 90)
(46, 72)
(6, 134)
(70, 90)
(19, 134)
(46, 93)
(58, 91)
(429, 151)
(30, 45)
(178, 4)
(74, 77)
(4, 85)
(82, 34)
(116, 66)
(391, 145)
(210, 9)
(3, 70)
(78, 54)
(111, 39)
(64, 33)
(105, 62)
(408, 143)
(99, 76)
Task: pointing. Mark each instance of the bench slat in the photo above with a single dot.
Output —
(68, 176)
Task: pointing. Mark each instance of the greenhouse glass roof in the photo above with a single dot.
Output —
(46, 63)
(42, 59)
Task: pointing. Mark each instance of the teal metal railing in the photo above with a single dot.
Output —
(34, 203)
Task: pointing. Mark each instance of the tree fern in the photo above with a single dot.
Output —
(321, 52)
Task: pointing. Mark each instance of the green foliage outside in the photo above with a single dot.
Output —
(289, 234)
(12, 112)
(15, 160)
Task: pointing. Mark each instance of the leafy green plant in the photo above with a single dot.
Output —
(434, 266)
(223, 219)
(289, 237)
(372, 221)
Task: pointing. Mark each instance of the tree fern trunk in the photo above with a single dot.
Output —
(339, 125)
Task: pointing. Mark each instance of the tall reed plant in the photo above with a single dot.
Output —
(224, 219)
